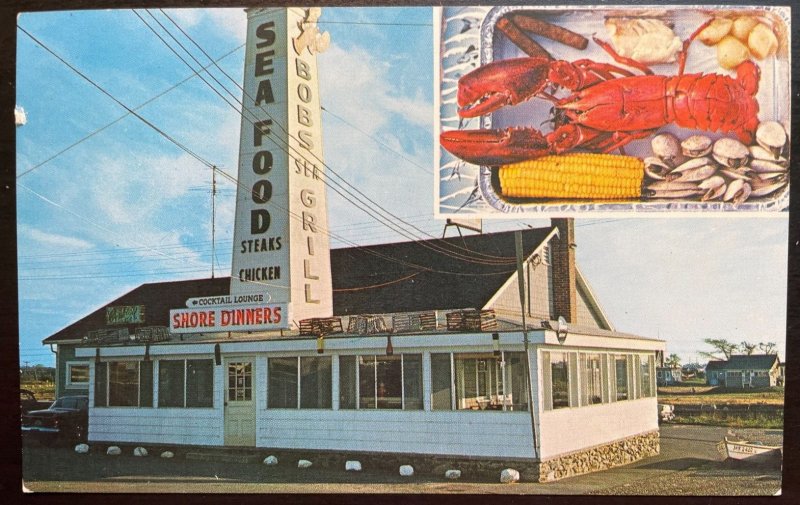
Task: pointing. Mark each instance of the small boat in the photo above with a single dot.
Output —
(752, 452)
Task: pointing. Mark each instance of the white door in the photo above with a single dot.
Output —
(240, 403)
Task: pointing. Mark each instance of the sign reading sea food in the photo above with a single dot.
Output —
(613, 109)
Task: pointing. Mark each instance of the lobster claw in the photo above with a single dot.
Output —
(495, 147)
(501, 83)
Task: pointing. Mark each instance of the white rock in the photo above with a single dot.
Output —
(140, 451)
(509, 475)
(114, 451)
(352, 466)
(406, 470)
(303, 463)
(81, 448)
(453, 474)
(167, 454)
(270, 460)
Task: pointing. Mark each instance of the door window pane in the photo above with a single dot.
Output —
(646, 372)
(412, 377)
(315, 383)
(347, 382)
(240, 377)
(170, 383)
(123, 384)
(441, 382)
(559, 373)
(282, 383)
(199, 383)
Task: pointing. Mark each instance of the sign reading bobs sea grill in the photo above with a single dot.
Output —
(281, 245)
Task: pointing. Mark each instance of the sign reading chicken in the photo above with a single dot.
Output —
(613, 109)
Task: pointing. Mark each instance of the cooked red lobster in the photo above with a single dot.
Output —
(609, 106)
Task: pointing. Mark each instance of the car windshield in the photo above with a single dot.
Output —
(69, 403)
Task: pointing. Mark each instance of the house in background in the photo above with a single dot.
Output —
(715, 372)
(668, 375)
(745, 371)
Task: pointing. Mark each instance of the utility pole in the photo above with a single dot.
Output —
(213, 217)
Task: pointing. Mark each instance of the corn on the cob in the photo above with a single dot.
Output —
(590, 176)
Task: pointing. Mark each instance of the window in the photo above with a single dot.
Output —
(240, 381)
(381, 382)
(591, 379)
(441, 382)
(78, 375)
(186, 383)
(312, 374)
(621, 373)
(124, 384)
(479, 381)
(646, 371)
(559, 373)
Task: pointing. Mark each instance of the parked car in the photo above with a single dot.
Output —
(66, 420)
(28, 401)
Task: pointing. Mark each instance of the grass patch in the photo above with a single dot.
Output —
(732, 420)
(42, 390)
(688, 395)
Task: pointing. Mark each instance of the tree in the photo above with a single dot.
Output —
(721, 346)
(673, 361)
(767, 347)
(747, 347)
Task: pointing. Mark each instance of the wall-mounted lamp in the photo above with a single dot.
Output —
(496, 343)
(320, 344)
(147, 352)
(389, 348)
(217, 355)
(561, 329)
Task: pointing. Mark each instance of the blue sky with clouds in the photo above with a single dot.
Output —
(126, 206)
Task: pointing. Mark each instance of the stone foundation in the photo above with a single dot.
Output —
(601, 457)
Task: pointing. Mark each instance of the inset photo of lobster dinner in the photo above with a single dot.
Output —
(612, 109)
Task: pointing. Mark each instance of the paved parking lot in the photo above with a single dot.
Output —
(689, 464)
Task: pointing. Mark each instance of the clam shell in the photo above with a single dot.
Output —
(735, 173)
(692, 175)
(759, 153)
(730, 152)
(692, 164)
(760, 166)
(766, 189)
(712, 182)
(676, 193)
(655, 168)
(738, 191)
(696, 146)
(667, 147)
(771, 136)
(672, 186)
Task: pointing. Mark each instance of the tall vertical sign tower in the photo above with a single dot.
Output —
(281, 244)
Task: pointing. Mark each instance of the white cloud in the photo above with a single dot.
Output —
(55, 240)
(232, 21)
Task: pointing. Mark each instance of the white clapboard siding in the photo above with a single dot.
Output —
(486, 434)
(156, 426)
(571, 429)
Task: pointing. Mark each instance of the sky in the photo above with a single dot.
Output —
(105, 203)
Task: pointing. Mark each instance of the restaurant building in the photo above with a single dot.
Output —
(424, 357)
(488, 348)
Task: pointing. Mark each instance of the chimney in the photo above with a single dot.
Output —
(565, 296)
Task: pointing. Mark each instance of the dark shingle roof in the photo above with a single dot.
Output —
(715, 365)
(751, 362)
(400, 277)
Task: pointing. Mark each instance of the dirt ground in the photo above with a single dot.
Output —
(689, 464)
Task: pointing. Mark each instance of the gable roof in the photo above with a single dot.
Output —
(752, 361)
(715, 364)
(439, 274)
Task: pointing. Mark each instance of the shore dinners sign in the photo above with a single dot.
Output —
(254, 317)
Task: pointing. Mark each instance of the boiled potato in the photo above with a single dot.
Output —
(714, 32)
(762, 41)
(731, 52)
(742, 26)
